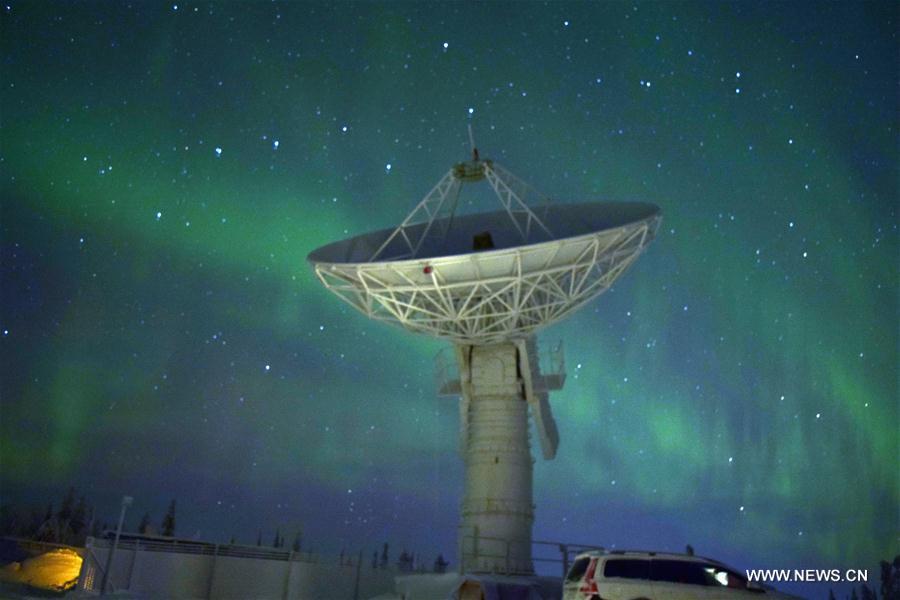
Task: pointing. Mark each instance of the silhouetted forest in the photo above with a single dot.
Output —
(889, 580)
(72, 519)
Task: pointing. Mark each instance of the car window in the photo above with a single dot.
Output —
(720, 576)
(627, 568)
(578, 569)
(678, 571)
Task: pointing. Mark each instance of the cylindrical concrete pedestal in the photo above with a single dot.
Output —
(497, 509)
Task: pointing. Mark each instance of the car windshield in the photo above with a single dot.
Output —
(578, 569)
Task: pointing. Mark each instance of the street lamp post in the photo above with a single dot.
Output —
(126, 502)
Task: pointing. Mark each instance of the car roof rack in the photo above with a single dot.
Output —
(652, 553)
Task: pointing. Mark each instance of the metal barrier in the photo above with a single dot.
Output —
(210, 549)
(92, 572)
(551, 360)
(470, 549)
(34, 547)
(203, 570)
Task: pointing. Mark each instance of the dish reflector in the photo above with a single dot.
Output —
(490, 277)
(489, 296)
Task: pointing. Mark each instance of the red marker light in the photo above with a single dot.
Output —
(427, 270)
(589, 584)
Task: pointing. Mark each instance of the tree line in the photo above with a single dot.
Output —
(890, 584)
(71, 523)
(407, 562)
(76, 519)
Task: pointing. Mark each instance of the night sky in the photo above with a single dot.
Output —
(166, 168)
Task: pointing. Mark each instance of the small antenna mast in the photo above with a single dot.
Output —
(472, 144)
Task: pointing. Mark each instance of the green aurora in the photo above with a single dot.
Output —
(164, 336)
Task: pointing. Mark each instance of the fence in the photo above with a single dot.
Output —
(203, 570)
(34, 548)
(472, 546)
(187, 569)
(551, 359)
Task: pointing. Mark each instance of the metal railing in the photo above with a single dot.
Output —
(551, 360)
(472, 549)
(93, 570)
(34, 547)
(209, 549)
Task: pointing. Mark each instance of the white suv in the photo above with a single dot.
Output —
(634, 575)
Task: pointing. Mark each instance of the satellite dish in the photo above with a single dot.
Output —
(490, 277)
(487, 283)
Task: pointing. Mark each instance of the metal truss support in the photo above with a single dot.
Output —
(513, 195)
(418, 224)
(439, 207)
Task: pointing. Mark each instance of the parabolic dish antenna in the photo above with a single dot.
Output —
(487, 282)
(490, 277)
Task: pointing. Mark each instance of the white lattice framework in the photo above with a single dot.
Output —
(485, 297)
(439, 202)
(433, 216)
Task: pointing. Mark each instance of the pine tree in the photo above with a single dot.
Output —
(689, 550)
(68, 503)
(375, 559)
(47, 529)
(405, 562)
(38, 530)
(886, 572)
(144, 524)
(277, 539)
(79, 519)
(259, 539)
(168, 523)
(890, 579)
(7, 519)
(298, 539)
(440, 565)
(231, 542)
(55, 530)
(92, 522)
(384, 556)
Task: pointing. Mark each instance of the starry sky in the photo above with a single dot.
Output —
(166, 168)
